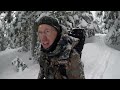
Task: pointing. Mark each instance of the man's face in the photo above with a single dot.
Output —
(47, 35)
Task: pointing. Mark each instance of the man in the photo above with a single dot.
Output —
(58, 58)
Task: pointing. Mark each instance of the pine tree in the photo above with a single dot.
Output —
(21, 31)
(113, 26)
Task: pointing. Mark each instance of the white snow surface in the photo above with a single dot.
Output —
(100, 62)
(7, 71)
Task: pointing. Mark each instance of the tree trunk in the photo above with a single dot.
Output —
(34, 39)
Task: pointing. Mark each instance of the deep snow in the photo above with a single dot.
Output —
(7, 71)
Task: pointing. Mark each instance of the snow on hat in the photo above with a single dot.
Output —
(50, 21)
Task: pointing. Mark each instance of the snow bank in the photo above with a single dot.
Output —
(7, 71)
(7, 51)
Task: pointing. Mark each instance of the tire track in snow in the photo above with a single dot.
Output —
(103, 60)
(100, 69)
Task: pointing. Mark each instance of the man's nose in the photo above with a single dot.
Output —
(43, 37)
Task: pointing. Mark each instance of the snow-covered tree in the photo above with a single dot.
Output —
(113, 26)
(20, 29)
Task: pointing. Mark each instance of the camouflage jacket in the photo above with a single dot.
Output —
(63, 63)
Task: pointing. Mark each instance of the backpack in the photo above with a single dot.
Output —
(80, 34)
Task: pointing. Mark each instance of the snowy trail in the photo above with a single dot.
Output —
(98, 59)
(112, 70)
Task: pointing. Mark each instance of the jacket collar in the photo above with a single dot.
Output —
(63, 48)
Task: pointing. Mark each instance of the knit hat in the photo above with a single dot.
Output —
(50, 21)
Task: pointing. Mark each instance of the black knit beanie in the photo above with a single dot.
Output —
(50, 21)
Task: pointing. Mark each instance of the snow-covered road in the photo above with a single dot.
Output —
(101, 61)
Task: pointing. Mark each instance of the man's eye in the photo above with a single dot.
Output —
(47, 31)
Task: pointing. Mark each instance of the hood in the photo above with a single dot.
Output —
(64, 47)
